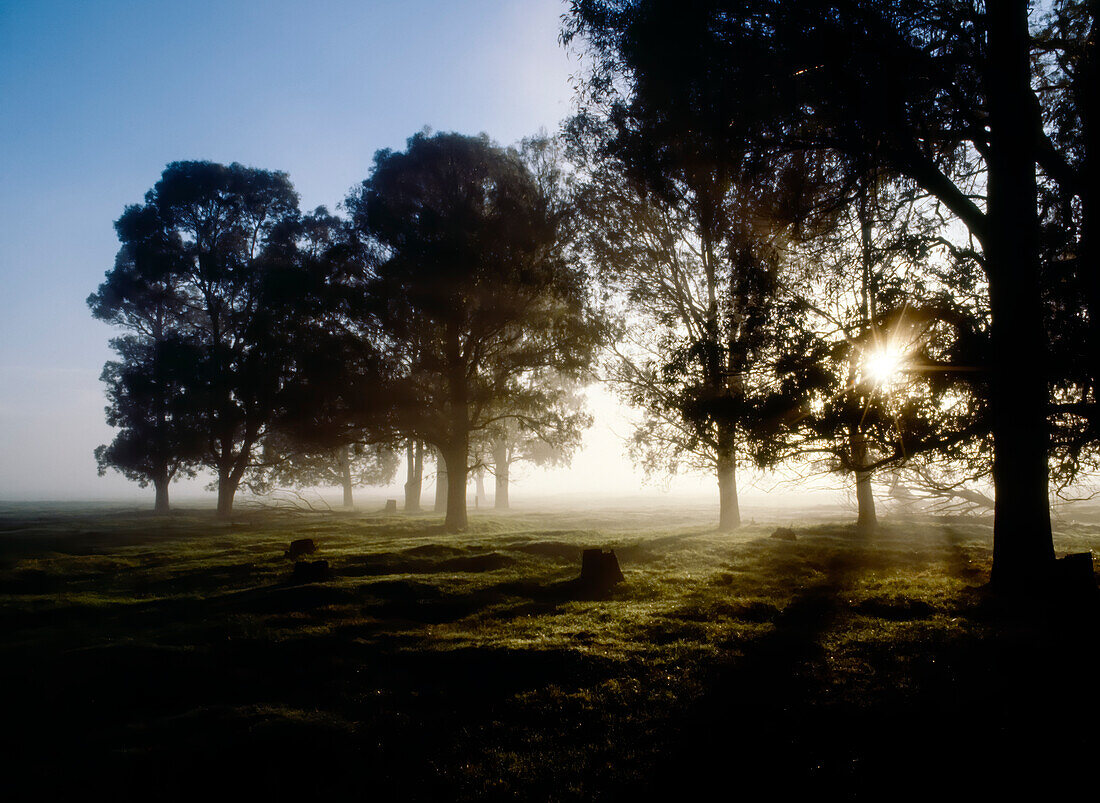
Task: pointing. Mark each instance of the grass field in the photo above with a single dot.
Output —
(173, 658)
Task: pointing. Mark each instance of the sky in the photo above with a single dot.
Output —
(97, 97)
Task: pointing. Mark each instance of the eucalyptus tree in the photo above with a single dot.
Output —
(679, 236)
(940, 94)
(547, 435)
(207, 259)
(156, 440)
(472, 289)
(867, 346)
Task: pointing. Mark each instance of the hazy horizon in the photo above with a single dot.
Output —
(313, 94)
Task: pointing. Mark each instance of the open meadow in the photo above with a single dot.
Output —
(173, 657)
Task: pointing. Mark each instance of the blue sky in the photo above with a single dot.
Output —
(97, 96)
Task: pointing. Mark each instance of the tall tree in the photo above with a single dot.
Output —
(158, 438)
(937, 93)
(225, 255)
(473, 289)
(677, 240)
(862, 346)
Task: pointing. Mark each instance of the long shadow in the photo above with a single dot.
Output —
(743, 733)
(994, 708)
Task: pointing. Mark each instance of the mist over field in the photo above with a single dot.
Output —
(557, 400)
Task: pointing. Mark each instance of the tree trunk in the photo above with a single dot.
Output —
(479, 488)
(1023, 549)
(345, 475)
(161, 486)
(414, 476)
(729, 512)
(866, 518)
(500, 469)
(1089, 251)
(456, 489)
(227, 489)
(441, 484)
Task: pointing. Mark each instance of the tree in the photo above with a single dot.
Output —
(548, 436)
(472, 290)
(940, 94)
(858, 327)
(675, 236)
(157, 441)
(218, 265)
(414, 474)
(146, 386)
(1065, 61)
(346, 467)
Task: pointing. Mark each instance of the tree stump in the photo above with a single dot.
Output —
(599, 569)
(391, 505)
(303, 546)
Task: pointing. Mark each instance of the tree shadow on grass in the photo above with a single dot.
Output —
(991, 707)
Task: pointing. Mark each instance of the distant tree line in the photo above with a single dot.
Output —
(848, 237)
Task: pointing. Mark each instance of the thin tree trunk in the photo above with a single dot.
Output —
(1023, 549)
(442, 484)
(479, 487)
(866, 517)
(160, 484)
(345, 475)
(729, 512)
(500, 469)
(414, 475)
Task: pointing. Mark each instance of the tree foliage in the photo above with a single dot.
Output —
(472, 290)
(208, 262)
(940, 95)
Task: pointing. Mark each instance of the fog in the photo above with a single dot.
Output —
(55, 439)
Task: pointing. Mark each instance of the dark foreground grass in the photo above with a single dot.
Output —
(172, 659)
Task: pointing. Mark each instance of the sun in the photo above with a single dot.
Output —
(884, 365)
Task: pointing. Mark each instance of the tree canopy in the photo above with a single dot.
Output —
(473, 290)
(940, 95)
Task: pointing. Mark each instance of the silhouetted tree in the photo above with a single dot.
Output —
(158, 440)
(863, 347)
(414, 474)
(676, 232)
(225, 266)
(940, 94)
(472, 289)
(1065, 59)
(146, 387)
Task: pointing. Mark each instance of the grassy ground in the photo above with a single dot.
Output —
(169, 658)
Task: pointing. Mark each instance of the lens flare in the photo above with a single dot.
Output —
(884, 365)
